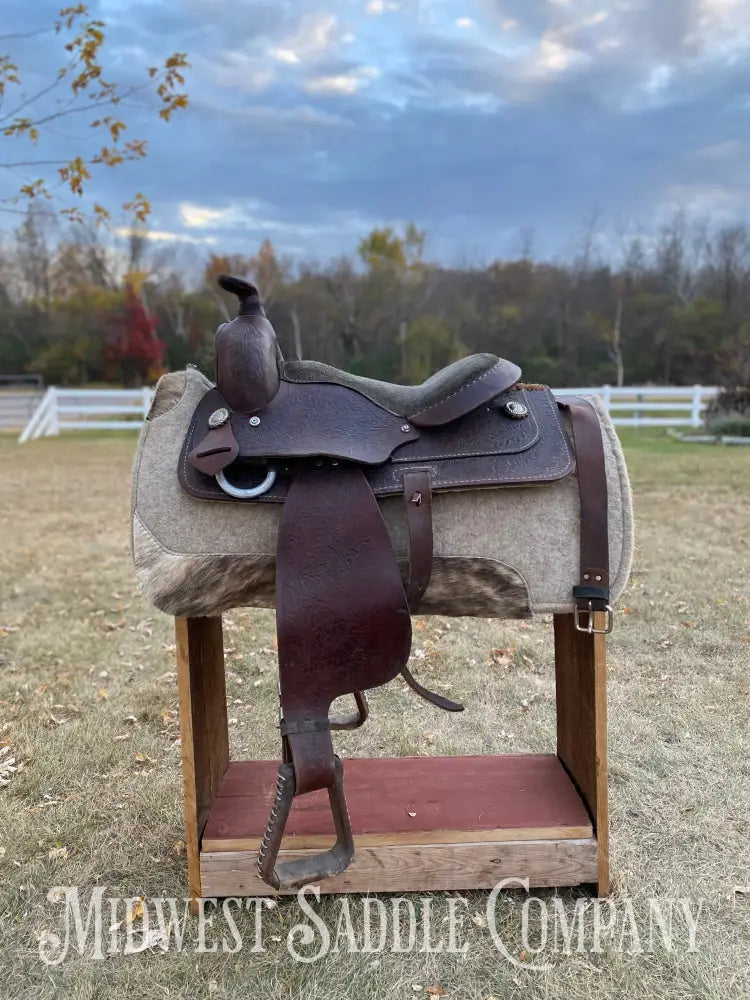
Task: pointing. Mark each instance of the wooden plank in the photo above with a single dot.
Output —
(203, 728)
(416, 868)
(581, 686)
(409, 800)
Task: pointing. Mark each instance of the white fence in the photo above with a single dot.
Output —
(630, 406)
(86, 409)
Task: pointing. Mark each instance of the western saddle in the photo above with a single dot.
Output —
(329, 445)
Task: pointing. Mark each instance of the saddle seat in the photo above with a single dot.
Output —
(404, 400)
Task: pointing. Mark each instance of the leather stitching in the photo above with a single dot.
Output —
(456, 392)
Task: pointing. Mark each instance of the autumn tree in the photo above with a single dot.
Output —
(134, 345)
(80, 89)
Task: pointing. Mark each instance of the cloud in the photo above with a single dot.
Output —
(285, 55)
(381, 6)
(164, 236)
(315, 35)
(554, 56)
(201, 216)
(314, 120)
(342, 83)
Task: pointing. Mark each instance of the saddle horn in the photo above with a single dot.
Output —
(249, 297)
(247, 365)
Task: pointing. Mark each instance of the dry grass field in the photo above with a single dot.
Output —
(88, 710)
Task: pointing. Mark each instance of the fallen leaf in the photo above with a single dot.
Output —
(435, 991)
(479, 920)
(157, 938)
(102, 694)
(58, 854)
(8, 766)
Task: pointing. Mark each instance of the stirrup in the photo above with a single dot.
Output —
(325, 864)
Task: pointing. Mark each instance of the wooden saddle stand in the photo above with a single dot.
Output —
(329, 448)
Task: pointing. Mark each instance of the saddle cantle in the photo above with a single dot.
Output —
(333, 453)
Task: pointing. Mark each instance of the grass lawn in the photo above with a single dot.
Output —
(88, 709)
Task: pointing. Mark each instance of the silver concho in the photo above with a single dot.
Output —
(516, 410)
(219, 417)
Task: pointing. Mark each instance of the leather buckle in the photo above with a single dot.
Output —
(589, 627)
(325, 864)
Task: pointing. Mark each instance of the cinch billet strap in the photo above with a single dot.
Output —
(593, 585)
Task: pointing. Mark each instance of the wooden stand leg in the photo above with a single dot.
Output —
(580, 675)
(203, 727)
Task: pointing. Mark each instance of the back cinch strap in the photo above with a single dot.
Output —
(592, 591)
(418, 503)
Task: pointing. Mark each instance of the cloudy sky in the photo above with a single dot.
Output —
(313, 121)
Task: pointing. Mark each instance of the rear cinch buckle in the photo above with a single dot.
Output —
(589, 627)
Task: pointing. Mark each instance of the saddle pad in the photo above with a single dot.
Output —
(487, 447)
(502, 552)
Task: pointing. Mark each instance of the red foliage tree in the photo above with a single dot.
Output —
(135, 346)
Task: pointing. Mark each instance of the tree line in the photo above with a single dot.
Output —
(669, 308)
